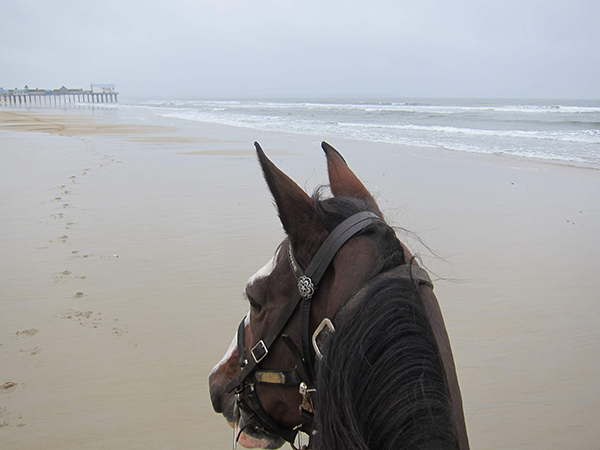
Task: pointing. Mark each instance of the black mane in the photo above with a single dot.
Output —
(381, 384)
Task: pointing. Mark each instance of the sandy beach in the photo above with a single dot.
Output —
(127, 241)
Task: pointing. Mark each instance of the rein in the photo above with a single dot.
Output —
(302, 374)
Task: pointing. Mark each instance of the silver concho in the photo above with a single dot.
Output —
(306, 287)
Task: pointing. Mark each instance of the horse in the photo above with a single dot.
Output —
(344, 339)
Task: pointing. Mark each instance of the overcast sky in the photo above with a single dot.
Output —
(305, 48)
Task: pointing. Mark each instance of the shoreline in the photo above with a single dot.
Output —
(190, 126)
(125, 254)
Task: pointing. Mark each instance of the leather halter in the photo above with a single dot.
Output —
(302, 375)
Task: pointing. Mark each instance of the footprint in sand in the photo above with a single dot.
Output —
(29, 352)
(71, 314)
(63, 276)
(118, 331)
(9, 386)
(62, 239)
(76, 254)
(27, 333)
(94, 320)
(5, 415)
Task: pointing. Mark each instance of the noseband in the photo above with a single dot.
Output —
(302, 375)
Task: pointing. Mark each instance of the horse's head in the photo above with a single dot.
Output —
(257, 381)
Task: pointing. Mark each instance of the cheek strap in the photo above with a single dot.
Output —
(241, 343)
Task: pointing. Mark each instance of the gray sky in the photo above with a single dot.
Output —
(285, 48)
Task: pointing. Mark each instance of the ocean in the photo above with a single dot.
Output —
(560, 131)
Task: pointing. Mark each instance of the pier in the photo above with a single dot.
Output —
(58, 98)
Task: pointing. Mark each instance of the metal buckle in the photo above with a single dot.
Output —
(261, 353)
(325, 323)
(307, 403)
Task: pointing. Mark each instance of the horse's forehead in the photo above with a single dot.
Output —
(265, 270)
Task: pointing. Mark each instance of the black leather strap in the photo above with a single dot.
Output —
(306, 347)
(241, 343)
(336, 239)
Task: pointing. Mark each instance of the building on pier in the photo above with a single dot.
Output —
(62, 97)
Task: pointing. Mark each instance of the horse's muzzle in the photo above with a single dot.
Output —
(223, 403)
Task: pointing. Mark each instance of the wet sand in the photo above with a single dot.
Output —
(126, 244)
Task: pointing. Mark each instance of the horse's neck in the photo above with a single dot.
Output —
(434, 313)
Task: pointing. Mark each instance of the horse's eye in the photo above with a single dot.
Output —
(256, 307)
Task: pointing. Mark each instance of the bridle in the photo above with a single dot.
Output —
(302, 375)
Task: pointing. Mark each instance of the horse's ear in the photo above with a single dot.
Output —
(296, 209)
(342, 180)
